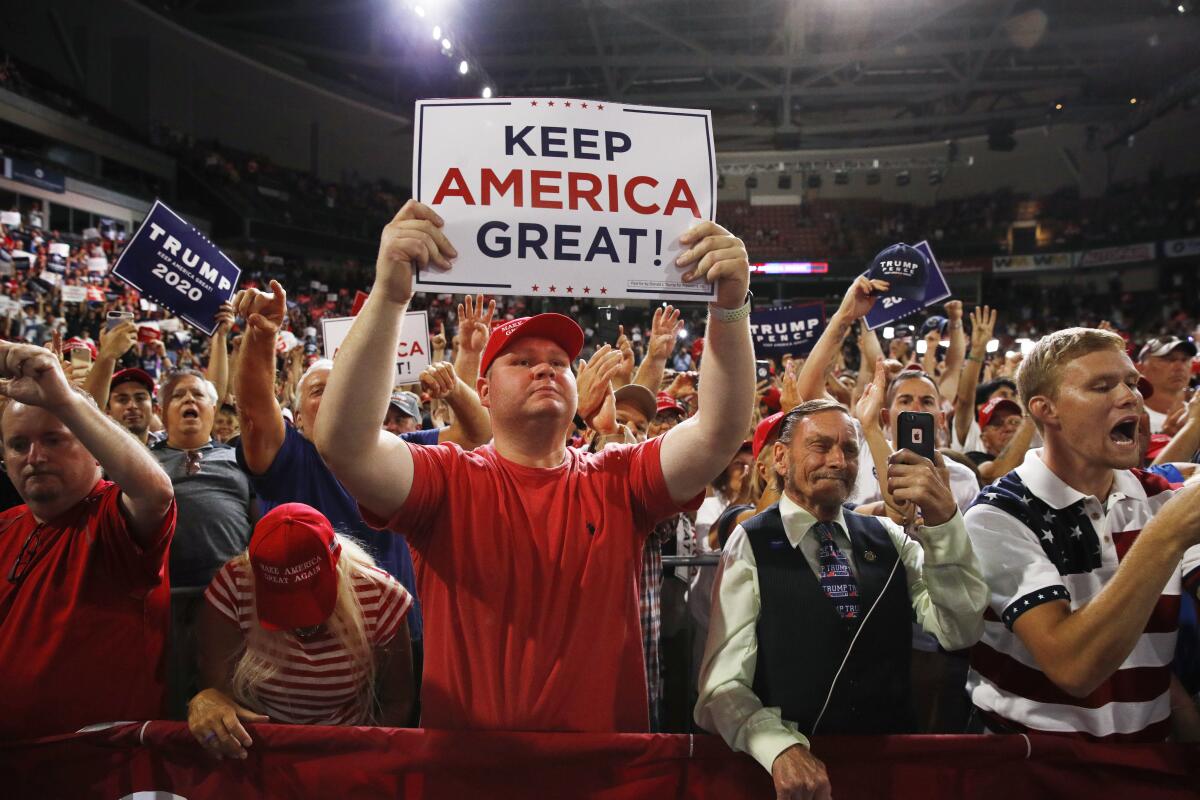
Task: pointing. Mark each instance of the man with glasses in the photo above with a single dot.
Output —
(217, 513)
(1005, 434)
(84, 591)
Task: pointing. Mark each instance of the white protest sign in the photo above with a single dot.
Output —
(564, 198)
(60, 249)
(10, 218)
(97, 264)
(50, 278)
(74, 294)
(412, 354)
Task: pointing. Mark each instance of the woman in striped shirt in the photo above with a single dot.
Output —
(301, 628)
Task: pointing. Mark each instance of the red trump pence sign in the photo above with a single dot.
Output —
(564, 198)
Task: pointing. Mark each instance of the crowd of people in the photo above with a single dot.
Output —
(921, 533)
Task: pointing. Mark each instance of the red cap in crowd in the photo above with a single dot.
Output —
(995, 405)
(697, 349)
(772, 398)
(75, 343)
(294, 554)
(667, 403)
(767, 428)
(133, 374)
(561, 330)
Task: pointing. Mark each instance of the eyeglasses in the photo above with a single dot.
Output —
(29, 553)
(192, 465)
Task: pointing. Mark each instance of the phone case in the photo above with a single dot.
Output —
(915, 432)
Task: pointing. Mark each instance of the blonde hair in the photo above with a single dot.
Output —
(1040, 372)
(265, 652)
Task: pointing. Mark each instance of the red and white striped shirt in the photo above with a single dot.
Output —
(318, 685)
(1068, 547)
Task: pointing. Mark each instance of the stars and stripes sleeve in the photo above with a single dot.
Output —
(386, 603)
(1019, 574)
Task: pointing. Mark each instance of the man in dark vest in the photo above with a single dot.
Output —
(812, 607)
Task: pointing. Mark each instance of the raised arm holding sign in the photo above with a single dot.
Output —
(484, 522)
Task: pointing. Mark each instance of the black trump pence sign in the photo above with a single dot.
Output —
(564, 198)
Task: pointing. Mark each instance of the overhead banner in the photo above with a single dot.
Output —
(1122, 254)
(890, 308)
(412, 353)
(780, 331)
(174, 264)
(1036, 261)
(564, 198)
(18, 169)
(1181, 248)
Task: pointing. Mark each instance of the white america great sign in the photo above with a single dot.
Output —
(564, 198)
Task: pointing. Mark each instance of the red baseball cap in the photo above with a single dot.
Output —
(996, 404)
(75, 343)
(664, 402)
(132, 374)
(563, 331)
(768, 427)
(773, 398)
(294, 554)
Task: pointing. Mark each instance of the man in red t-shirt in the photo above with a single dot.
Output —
(526, 551)
(84, 596)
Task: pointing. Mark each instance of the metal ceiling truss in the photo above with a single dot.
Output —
(776, 73)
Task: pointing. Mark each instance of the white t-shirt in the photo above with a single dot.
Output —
(1157, 420)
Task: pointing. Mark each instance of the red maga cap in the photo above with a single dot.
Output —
(294, 554)
(132, 374)
(996, 404)
(563, 331)
(769, 426)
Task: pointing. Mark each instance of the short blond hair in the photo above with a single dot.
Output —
(1040, 372)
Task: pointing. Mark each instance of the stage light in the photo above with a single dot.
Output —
(445, 44)
(487, 92)
(1181, 8)
(683, 334)
(1058, 106)
(437, 32)
(463, 68)
(419, 11)
(993, 345)
(1133, 101)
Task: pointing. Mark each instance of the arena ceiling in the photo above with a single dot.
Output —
(777, 74)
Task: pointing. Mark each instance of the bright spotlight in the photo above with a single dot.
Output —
(420, 12)
(683, 334)
(437, 32)
(487, 92)
(1133, 101)
(463, 68)
(445, 44)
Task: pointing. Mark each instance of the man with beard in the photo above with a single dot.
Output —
(810, 626)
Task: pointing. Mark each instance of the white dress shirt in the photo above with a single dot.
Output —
(945, 586)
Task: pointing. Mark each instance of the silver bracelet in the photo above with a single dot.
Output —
(718, 314)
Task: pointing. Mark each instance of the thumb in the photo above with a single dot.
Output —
(263, 324)
(246, 715)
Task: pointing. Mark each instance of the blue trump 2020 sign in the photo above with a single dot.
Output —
(173, 264)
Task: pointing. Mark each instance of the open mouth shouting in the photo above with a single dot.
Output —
(1124, 433)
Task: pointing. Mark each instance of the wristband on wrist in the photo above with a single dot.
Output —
(718, 314)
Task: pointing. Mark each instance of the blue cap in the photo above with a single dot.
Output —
(904, 268)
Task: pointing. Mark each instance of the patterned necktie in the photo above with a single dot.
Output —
(834, 575)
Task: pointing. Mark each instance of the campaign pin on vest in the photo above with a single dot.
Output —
(869, 555)
(905, 268)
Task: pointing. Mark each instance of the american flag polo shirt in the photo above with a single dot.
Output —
(1039, 540)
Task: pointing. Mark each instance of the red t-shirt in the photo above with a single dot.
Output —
(82, 635)
(528, 578)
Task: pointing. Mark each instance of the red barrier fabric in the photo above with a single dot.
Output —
(349, 763)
